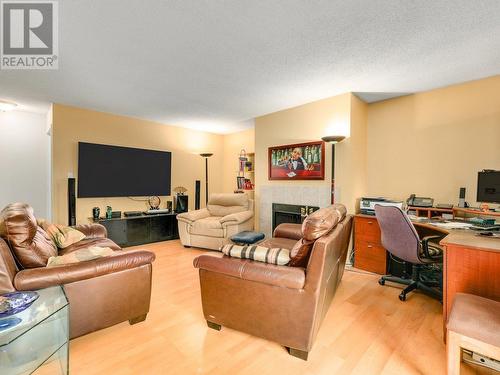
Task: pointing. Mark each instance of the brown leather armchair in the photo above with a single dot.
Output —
(101, 292)
(279, 303)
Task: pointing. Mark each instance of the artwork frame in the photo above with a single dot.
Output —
(286, 163)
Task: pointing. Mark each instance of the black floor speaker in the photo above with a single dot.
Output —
(71, 201)
(181, 203)
(461, 197)
(197, 188)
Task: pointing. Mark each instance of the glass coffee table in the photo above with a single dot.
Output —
(39, 344)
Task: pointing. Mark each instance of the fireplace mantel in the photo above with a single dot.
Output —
(301, 195)
(290, 213)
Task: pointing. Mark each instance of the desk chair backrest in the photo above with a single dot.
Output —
(399, 236)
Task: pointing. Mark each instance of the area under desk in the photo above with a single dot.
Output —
(471, 264)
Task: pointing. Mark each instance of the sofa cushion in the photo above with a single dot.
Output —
(221, 211)
(229, 199)
(299, 255)
(322, 221)
(476, 317)
(31, 246)
(259, 253)
(90, 242)
(224, 204)
(61, 235)
(81, 255)
(209, 226)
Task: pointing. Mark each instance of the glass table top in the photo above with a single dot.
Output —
(50, 301)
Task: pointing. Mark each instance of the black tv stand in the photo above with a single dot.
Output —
(142, 229)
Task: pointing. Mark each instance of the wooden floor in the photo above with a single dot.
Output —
(366, 331)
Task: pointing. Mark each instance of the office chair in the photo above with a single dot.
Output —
(401, 239)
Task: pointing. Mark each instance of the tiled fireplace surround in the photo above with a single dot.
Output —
(289, 194)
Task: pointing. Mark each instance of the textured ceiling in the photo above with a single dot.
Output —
(214, 64)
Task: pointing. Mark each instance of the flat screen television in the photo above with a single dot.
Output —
(488, 187)
(113, 171)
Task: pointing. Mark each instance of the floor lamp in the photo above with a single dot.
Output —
(206, 156)
(333, 139)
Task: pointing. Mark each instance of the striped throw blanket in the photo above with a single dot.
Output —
(259, 253)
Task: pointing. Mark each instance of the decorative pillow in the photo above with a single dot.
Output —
(81, 255)
(300, 253)
(62, 235)
(259, 253)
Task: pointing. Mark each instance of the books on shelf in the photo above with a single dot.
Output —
(244, 183)
(248, 166)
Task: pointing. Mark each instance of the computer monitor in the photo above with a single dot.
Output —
(488, 187)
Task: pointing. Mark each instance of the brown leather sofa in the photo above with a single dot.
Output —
(101, 292)
(279, 303)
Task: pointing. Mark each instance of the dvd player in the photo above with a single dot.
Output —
(132, 213)
(157, 211)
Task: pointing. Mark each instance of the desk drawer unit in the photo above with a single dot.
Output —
(369, 253)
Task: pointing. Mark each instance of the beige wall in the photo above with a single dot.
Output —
(351, 158)
(71, 125)
(25, 161)
(435, 142)
(430, 144)
(233, 143)
(310, 122)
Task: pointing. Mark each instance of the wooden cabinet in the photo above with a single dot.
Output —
(138, 230)
(369, 254)
(471, 265)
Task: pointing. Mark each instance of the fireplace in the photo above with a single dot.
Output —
(290, 213)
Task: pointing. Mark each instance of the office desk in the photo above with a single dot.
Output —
(369, 254)
(471, 264)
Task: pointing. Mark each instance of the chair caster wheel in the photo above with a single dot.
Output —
(402, 297)
(381, 281)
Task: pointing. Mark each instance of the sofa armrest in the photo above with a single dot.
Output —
(245, 269)
(191, 216)
(236, 218)
(288, 230)
(92, 230)
(44, 277)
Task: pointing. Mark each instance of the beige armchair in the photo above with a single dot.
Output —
(211, 227)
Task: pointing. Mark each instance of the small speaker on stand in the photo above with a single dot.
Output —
(181, 203)
(197, 194)
(71, 201)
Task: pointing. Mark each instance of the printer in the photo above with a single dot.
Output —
(367, 204)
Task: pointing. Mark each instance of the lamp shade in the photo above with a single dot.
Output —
(206, 154)
(333, 138)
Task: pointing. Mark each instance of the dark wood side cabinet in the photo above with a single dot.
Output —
(369, 254)
(138, 230)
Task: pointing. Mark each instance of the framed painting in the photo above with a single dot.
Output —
(300, 161)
